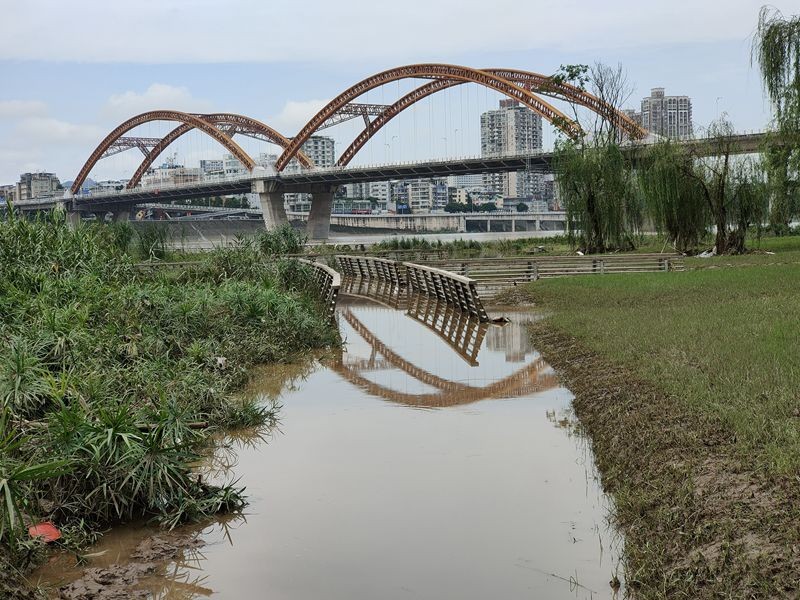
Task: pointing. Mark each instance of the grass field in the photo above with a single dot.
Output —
(723, 340)
(688, 385)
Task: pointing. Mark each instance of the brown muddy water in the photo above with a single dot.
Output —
(433, 458)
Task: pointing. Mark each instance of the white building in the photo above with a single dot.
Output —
(37, 185)
(211, 166)
(467, 182)
(669, 116)
(382, 190)
(233, 167)
(169, 174)
(511, 129)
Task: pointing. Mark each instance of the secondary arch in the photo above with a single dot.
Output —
(160, 115)
(234, 123)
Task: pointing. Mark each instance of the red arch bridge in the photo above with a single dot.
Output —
(526, 87)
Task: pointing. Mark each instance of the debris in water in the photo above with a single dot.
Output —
(45, 531)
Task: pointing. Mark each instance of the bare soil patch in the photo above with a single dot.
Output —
(118, 582)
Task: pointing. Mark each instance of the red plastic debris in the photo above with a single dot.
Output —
(46, 531)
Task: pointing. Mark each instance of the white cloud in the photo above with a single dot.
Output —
(48, 130)
(15, 109)
(174, 31)
(157, 96)
(294, 115)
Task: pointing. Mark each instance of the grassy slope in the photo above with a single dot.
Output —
(723, 340)
(688, 385)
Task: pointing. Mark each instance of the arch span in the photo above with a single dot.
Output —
(160, 115)
(235, 123)
(531, 81)
(436, 72)
(547, 86)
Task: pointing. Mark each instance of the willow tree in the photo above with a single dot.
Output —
(674, 200)
(597, 188)
(776, 49)
(734, 193)
(595, 179)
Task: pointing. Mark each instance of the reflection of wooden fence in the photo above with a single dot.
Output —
(370, 267)
(445, 285)
(530, 379)
(460, 330)
(328, 283)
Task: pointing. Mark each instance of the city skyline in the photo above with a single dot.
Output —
(65, 97)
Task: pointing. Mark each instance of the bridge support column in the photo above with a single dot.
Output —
(272, 209)
(121, 215)
(537, 225)
(488, 225)
(319, 219)
(513, 224)
(73, 218)
(271, 196)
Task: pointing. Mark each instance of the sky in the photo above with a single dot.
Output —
(72, 70)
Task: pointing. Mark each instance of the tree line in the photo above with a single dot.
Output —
(612, 193)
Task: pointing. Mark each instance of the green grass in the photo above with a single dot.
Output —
(723, 341)
(687, 385)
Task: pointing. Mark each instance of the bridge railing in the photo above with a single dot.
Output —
(450, 287)
(328, 282)
(370, 267)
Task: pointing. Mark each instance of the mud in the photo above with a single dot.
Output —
(120, 581)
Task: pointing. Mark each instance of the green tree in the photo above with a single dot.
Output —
(732, 188)
(776, 49)
(522, 207)
(674, 201)
(594, 178)
(596, 184)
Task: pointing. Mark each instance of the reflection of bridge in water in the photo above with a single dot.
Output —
(463, 334)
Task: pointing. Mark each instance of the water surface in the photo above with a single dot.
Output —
(418, 463)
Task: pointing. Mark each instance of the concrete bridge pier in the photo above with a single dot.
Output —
(120, 215)
(272, 208)
(73, 218)
(319, 219)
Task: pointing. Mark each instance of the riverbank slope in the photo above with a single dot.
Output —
(688, 386)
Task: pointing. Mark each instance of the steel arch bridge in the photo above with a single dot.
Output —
(526, 87)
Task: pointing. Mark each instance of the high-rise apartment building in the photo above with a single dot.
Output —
(320, 149)
(511, 129)
(668, 116)
(322, 152)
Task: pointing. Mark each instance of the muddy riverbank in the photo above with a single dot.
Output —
(699, 520)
